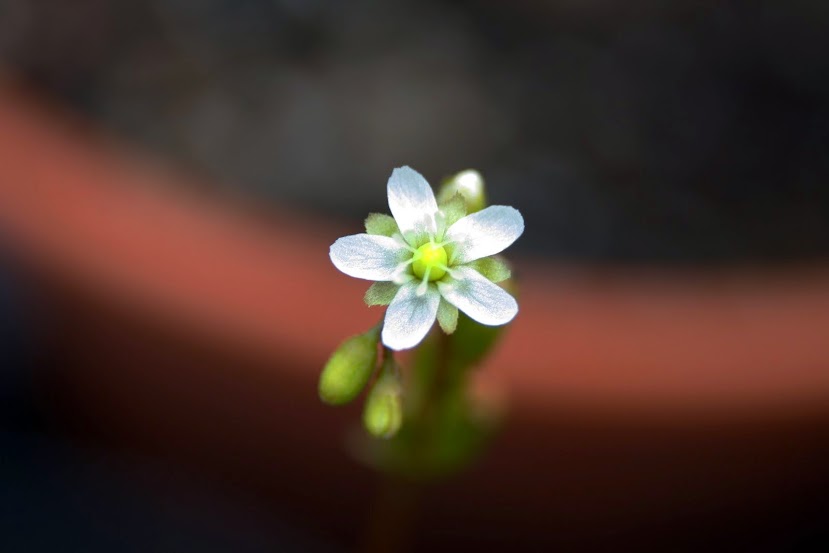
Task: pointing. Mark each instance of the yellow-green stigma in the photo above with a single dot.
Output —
(430, 262)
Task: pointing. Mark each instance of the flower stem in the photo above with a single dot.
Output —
(393, 516)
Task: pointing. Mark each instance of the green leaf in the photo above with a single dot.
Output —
(380, 293)
(454, 209)
(472, 342)
(381, 225)
(447, 316)
(493, 268)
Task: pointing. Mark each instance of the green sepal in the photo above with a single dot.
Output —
(454, 209)
(349, 369)
(447, 316)
(381, 224)
(495, 269)
(380, 293)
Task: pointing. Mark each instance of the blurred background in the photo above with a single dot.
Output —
(639, 132)
(635, 137)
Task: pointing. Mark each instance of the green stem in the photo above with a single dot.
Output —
(392, 519)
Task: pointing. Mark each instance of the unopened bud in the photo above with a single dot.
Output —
(349, 369)
(383, 413)
(470, 185)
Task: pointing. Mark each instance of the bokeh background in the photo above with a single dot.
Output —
(638, 132)
(633, 136)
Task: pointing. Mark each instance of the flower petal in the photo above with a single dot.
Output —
(485, 233)
(410, 316)
(368, 257)
(412, 202)
(479, 298)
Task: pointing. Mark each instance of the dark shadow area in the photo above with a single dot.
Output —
(62, 491)
(658, 132)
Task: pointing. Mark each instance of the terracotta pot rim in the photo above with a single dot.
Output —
(740, 342)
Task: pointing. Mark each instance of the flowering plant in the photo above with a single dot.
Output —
(431, 261)
(434, 259)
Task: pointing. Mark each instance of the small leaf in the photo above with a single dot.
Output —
(381, 225)
(454, 209)
(447, 316)
(380, 293)
(494, 269)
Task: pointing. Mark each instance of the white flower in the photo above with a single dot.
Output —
(428, 261)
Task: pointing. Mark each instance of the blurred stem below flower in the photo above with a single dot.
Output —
(393, 517)
(443, 433)
(430, 425)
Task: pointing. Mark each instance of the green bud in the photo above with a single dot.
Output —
(349, 369)
(383, 413)
(470, 185)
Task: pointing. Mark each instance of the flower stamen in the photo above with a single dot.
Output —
(424, 285)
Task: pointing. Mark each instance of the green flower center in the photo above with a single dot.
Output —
(430, 262)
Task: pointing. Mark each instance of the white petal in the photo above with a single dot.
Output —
(479, 298)
(412, 202)
(485, 233)
(410, 316)
(367, 256)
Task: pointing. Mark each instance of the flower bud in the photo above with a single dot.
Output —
(349, 369)
(383, 413)
(470, 185)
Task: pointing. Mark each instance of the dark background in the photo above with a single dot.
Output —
(658, 133)
(671, 132)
